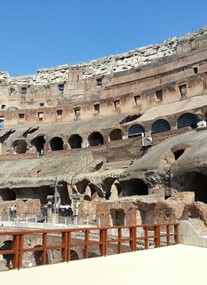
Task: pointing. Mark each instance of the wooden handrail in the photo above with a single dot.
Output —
(127, 236)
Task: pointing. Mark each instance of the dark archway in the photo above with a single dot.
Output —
(56, 143)
(187, 119)
(130, 118)
(73, 255)
(136, 131)
(197, 182)
(20, 146)
(178, 153)
(7, 195)
(38, 256)
(160, 126)
(75, 141)
(39, 142)
(115, 135)
(95, 139)
(178, 150)
(8, 245)
(134, 186)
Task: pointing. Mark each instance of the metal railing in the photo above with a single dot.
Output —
(39, 247)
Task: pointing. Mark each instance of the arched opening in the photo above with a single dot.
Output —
(87, 194)
(178, 150)
(187, 119)
(73, 255)
(7, 195)
(8, 245)
(56, 143)
(197, 182)
(134, 186)
(160, 126)
(19, 146)
(75, 141)
(136, 131)
(95, 139)
(130, 118)
(112, 189)
(39, 142)
(115, 135)
(38, 256)
(178, 153)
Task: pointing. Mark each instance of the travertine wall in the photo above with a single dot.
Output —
(115, 84)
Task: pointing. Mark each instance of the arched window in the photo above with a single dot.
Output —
(20, 146)
(56, 143)
(75, 141)
(187, 119)
(39, 142)
(135, 131)
(115, 135)
(95, 139)
(160, 126)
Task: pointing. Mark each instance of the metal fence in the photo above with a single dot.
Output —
(20, 249)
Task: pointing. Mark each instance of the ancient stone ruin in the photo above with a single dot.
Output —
(123, 137)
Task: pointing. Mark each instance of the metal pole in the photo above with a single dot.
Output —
(55, 195)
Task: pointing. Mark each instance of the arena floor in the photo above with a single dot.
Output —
(178, 264)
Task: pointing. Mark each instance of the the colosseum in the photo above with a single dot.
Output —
(91, 125)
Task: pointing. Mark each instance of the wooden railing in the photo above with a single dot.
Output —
(83, 241)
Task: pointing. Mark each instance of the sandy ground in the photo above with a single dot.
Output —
(179, 264)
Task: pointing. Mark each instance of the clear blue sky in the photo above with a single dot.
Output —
(47, 33)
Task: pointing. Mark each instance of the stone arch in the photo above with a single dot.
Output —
(81, 185)
(56, 143)
(197, 182)
(88, 189)
(38, 256)
(160, 126)
(95, 139)
(134, 186)
(39, 142)
(87, 193)
(115, 135)
(130, 118)
(114, 191)
(8, 195)
(135, 131)
(19, 146)
(75, 141)
(187, 119)
(111, 187)
(73, 255)
(178, 150)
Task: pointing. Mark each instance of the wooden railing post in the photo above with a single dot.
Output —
(15, 259)
(69, 246)
(119, 240)
(133, 238)
(86, 249)
(157, 235)
(65, 244)
(146, 238)
(44, 245)
(176, 237)
(21, 250)
(102, 238)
